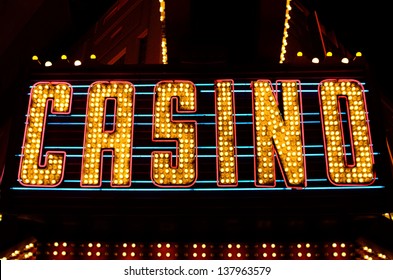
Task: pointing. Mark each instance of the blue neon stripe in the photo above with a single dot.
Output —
(344, 188)
(236, 91)
(88, 85)
(143, 148)
(180, 115)
(204, 84)
(174, 148)
(317, 180)
(239, 181)
(137, 123)
(70, 116)
(201, 181)
(220, 189)
(311, 114)
(153, 147)
(176, 115)
(144, 85)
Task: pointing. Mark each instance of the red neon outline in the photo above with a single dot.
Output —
(103, 126)
(114, 115)
(349, 116)
(176, 98)
(275, 94)
(234, 134)
(63, 154)
(2, 174)
(342, 131)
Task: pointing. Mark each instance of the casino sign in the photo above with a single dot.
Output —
(277, 135)
(163, 132)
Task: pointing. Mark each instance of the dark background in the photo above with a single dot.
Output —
(360, 26)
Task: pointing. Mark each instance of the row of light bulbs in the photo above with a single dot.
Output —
(344, 60)
(48, 63)
(78, 62)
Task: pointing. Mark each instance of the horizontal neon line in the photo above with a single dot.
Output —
(195, 115)
(217, 189)
(197, 84)
(146, 147)
(153, 147)
(149, 156)
(236, 91)
(317, 180)
(241, 115)
(203, 84)
(289, 189)
(64, 147)
(144, 85)
(204, 181)
(174, 156)
(175, 115)
(250, 91)
(148, 123)
(199, 181)
(240, 182)
(150, 182)
(344, 188)
(138, 115)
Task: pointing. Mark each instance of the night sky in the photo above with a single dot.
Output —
(360, 26)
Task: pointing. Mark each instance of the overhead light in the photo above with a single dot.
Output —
(299, 54)
(48, 64)
(63, 57)
(77, 62)
(329, 54)
(35, 58)
(345, 60)
(315, 60)
(93, 56)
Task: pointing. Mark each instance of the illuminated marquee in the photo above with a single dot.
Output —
(278, 135)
